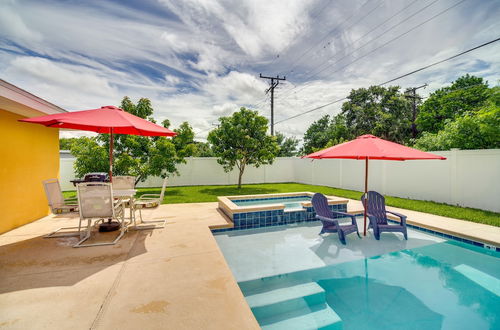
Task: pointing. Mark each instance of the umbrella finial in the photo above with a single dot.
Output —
(110, 107)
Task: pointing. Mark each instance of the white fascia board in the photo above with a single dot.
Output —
(22, 97)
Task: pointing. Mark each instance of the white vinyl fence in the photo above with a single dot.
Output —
(467, 178)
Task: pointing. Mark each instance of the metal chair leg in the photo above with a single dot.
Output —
(150, 224)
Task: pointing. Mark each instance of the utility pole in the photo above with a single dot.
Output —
(414, 96)
(274, 82)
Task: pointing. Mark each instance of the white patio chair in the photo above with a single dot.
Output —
(150, 201)
(123, 182)
(96, 202)
(59, 205)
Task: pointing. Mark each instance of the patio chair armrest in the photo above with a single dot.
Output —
(347, 215)
(400, 216)
(334, 221)
(149, 196)
(371, 216)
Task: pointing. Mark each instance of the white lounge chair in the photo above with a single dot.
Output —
(96, 202)
(59, 205)
(150, 201)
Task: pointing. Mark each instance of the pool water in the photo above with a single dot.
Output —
(447, 285)
(291, 203)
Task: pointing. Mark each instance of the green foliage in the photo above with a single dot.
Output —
(90, 156)
(463, 115)
(241, 140)
(65, 143)
(203, 149)
(184, 140)
(382, 111)
(317, 135)
(476, 129)
(166, 123)
(325, 133)
(139, 156)
(288, 145)
(466, 94)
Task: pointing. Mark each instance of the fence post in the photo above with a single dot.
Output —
(453, 177)
(341, 183)
(384, 177)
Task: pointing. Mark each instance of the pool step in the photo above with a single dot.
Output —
(279, 301)
(317, 317)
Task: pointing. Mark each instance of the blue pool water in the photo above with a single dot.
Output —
(289, 202)
(447, 285)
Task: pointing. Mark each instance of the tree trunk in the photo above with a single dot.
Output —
(242, 169)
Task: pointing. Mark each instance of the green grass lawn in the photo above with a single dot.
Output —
(197, 194)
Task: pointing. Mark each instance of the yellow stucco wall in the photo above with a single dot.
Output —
(29, 154)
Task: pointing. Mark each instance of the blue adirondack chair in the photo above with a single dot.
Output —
(376, 212)
(330, 224)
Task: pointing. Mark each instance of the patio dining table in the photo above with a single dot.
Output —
(123, 195)
(126, 194)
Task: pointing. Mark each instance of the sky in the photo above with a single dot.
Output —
(198, 60)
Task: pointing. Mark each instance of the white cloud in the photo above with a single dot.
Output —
(198, 60)
(12, 24)
(224, 109)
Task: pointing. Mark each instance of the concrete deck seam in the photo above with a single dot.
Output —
(109, 295)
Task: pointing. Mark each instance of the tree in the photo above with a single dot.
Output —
(317, 135)
(139, 156)
(90, 155)
(288, 145)
(65, 143)
(325, 132)
(381, 111)
(203, 149)
(467, 93)
(184, 140)
(241, 139)
(476, 129)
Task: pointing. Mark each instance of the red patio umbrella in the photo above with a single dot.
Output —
(371, 147)
(108, 119)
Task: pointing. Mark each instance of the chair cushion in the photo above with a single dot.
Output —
(65, 209)
(146, 204)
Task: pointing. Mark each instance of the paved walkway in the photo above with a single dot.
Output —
(174, 278)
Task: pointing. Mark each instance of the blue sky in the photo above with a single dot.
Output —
(198, 60)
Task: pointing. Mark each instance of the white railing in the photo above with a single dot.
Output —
(468, 177)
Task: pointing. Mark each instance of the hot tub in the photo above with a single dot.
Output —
(254, 211)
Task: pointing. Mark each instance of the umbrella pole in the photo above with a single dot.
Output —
(111, 147)
(366, 191)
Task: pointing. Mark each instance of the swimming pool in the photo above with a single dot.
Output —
(425, 282)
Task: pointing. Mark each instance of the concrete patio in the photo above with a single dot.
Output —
(175, 278)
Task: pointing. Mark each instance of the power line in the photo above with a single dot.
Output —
(386, 43)
(394, 79)
(284, 49)
(330, 32)
(369, 32)
(439, 62)
(383, 34)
